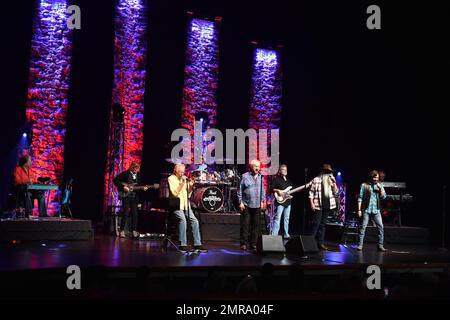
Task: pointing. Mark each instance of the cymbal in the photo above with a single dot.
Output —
(174, 161)
(224, 160)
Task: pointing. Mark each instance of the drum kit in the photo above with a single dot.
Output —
(214, 191)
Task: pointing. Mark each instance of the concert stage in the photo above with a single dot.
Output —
(225, 227)
(392, 234)
(43, 229)
(140, 267)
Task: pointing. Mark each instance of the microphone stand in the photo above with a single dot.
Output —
(260, 205)
(444, 195)
(186, 212)
(305, 203)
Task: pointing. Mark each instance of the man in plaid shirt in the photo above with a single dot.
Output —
(322, 196)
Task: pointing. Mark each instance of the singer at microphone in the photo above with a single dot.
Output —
(370, 194)
(184, 214)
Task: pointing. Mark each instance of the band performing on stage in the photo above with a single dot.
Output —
(218, 150)
(196, 189)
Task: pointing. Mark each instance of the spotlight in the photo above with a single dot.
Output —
(202, 116)
(339, 173)
(24, 135)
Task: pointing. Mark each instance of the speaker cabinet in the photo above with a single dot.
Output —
(302, 245)
(270, 244)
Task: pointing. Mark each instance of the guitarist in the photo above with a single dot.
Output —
(280, 183)
(129, 199)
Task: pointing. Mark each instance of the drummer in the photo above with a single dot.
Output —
(203, 171)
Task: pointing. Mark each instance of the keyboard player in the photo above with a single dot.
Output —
(24, 175)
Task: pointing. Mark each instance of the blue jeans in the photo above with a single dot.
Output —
(280, 210)
(181, 216)
(378, 222)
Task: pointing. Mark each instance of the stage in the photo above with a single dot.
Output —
(45, 229)
(112, 252)
(122, 262)
(158, 106)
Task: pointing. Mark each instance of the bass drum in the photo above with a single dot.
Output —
(209, 199)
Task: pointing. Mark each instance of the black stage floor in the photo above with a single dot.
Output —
(111, 252)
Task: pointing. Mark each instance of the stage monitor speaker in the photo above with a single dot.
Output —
(302, 245)
(270, 244)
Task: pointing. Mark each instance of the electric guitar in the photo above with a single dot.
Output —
(286, 193)
(133, 187)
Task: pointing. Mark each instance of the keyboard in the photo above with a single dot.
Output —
(397, 197)
(394, 185)
(42, 187)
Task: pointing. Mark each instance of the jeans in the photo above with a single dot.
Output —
(181, 216)
(280, 210)
(250, 225)
(379, 224)
(319, 223)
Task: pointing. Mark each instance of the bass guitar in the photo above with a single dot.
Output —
(286, 193)
(133, 187)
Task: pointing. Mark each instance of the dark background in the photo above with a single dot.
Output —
(357, 98)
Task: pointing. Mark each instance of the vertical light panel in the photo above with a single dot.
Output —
(201, 75)
(130, 49)
(47, 101)
(342, 202)
(265, 105)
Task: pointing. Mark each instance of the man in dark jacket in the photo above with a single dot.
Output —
(124, 182)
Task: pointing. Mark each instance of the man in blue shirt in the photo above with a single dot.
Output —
(369, 206)
(251, 199)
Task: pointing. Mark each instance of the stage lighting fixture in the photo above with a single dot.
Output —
(24, 135)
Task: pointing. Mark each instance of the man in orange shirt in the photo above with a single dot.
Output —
(23, 175)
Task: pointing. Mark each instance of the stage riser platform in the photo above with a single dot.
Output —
(222, 226)
(397, 235)
(226, 227)
(46, 229)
